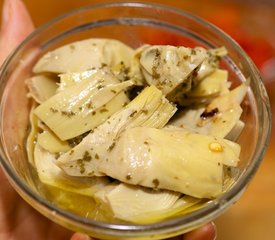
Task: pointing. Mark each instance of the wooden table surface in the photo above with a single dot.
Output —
(253, 217)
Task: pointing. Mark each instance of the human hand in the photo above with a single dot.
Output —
(18, 220)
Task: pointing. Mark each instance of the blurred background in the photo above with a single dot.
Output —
(252, 24)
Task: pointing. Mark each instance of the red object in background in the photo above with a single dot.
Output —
(251, 25)
(259, 50)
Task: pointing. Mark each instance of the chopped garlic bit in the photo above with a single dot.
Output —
(215, 147)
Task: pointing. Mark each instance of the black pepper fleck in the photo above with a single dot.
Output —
(155, 182)
(103, 110)
(111, 146)
(133, 113)
(128, 177)
(87, 157)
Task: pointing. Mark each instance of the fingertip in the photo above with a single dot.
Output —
(81, 236)
(206, 232)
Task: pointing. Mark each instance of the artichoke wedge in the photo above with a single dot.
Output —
(215, 84)
(52, 175)
(83, 55)
(83, 106)
(141, 205)
(150, 108)
(135, 67)
(216, 119)
(210, 64)
(169, 67)
(172, 159)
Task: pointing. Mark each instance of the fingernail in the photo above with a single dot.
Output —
(6, 12)
(206, 232)
(214, 230)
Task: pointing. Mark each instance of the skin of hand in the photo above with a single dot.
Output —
(18, 220)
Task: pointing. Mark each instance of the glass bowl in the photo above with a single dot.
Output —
(133, 24)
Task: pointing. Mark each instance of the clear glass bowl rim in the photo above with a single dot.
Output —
(193, 219)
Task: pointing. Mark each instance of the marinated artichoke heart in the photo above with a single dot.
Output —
(218, 118)
(149, 108)
(135, 67)
(213, 85)
(83, 55)
(52, 175)
(194, 167)
(169, 67)
(147, 205)
(84, 105)
(210, 64)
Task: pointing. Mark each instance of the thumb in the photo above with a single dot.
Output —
(16, 25)
(80, 236)
(206, 232)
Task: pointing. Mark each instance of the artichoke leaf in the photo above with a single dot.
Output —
(188, 119)
(194, 167)
(134, 203)
(182, 206)
(211, 63)
(169, 67)
(41, 88)
(71, 78)
(218, 118)
(83, 106)
(83, 55)
(111, 200)
(236, 131)
(213, 85)
(210, 87)
(32, 137)
(135, 66)
(227, 112)
(52, 175)
(50, 142)
(85, 158)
